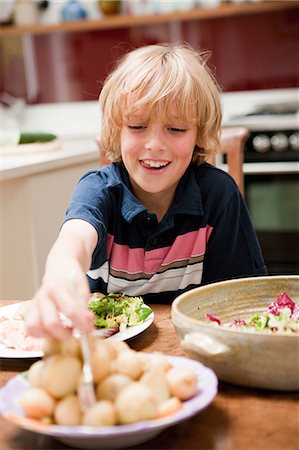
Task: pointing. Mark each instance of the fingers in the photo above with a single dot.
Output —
(74, 304)
(76, 311)
(43, 320)
(44, 317)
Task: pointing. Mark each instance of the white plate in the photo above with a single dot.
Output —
(10, 310)
(118, 436)
(6, 352)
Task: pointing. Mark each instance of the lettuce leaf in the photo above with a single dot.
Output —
(118, 310)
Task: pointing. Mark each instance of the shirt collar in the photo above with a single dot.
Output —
(188, 195)
(130, 206)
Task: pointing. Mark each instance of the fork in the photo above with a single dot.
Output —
(86, 392)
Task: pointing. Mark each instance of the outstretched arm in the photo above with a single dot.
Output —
(64, 286)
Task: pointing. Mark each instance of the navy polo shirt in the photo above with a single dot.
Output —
(205, 236)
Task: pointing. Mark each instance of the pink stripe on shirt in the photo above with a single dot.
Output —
(135, 260)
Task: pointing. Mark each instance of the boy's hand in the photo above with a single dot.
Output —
(64, 290)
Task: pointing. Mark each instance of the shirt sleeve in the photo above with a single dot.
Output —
(90, 202)
(233, 250)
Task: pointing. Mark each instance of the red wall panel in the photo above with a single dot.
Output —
(258, 51)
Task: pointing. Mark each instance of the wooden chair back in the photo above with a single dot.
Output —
(233, 140)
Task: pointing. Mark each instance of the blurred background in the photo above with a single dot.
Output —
(252, 50)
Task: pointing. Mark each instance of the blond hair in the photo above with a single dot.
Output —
(160, 79)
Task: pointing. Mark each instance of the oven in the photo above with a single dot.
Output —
(271, 166)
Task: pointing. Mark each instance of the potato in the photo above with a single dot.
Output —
(36, 403)
(136, 402)
(110, 387)
(155, 359)
(170, 406)
(182, 382)
(118, 346)
(51, 346)
(101, 414)
(156, 380)
(60, 374)
(128, 363)
(68, 411)
(113, 347)
(101, 360)
(34, 373)
(71, 347)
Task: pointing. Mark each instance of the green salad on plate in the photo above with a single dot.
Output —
(118, 311)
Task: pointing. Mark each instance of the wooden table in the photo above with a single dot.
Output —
(238, 418)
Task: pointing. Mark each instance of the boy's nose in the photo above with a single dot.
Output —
(155, 142)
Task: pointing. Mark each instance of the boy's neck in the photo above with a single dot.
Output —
(156, 204)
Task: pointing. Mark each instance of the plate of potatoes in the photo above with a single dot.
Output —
(138, 394)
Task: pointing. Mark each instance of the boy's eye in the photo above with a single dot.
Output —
(177, 130)
(136, 127)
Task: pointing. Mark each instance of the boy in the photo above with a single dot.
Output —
(159, 220)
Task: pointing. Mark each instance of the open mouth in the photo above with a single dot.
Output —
(154, 165)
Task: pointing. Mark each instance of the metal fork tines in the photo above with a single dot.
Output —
(86, 391)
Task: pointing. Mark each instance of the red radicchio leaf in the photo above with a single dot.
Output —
(237, 323)
(283, 301)
(273, 308)
(213, 318)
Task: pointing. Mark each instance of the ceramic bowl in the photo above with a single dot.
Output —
(247, 358)
(114, 436)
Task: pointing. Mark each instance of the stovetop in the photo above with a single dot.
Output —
(272, 117)
(274, 109)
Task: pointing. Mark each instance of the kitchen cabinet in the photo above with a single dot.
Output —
(130, 21)
(34, 196)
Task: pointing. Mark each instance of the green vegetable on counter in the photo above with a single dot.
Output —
(31, 138)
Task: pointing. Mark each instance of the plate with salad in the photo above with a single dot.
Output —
(120, 317)
(117, 317)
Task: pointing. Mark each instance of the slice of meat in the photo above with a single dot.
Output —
(13, 334)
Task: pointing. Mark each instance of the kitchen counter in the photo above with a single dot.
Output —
(239, 418)
(78, 123)
(69, 152)
(76, 126)
(237, 105)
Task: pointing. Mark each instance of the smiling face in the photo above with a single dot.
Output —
(156, 153)
(160, 80)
